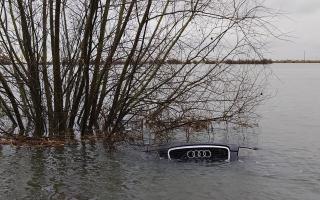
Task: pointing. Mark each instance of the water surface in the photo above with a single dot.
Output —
(287, 166)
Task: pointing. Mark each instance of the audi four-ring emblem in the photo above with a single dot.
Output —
(199, 154)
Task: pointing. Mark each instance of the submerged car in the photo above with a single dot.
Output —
(200, 152)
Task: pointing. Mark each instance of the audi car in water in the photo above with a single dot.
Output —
(198, 152)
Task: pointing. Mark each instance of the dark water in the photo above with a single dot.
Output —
(287, 166)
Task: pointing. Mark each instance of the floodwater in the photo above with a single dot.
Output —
(286, 166)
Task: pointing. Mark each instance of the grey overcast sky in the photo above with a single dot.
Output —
(302, 23)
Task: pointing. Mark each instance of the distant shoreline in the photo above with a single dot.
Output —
(296, 61)
(4, 61)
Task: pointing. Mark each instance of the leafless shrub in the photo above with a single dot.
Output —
(91, 65)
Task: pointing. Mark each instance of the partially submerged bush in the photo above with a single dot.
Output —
(86, 66)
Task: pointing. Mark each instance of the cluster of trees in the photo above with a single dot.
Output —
(4, 60)
(89, 65)
(251, 62)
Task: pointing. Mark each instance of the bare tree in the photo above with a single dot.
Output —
(90, 65)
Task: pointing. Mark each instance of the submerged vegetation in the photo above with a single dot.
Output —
(87, 68)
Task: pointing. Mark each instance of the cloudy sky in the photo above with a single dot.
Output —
(301, 22)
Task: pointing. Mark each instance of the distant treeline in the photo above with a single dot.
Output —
(296, 61)
(6, 61)
(248, 61)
